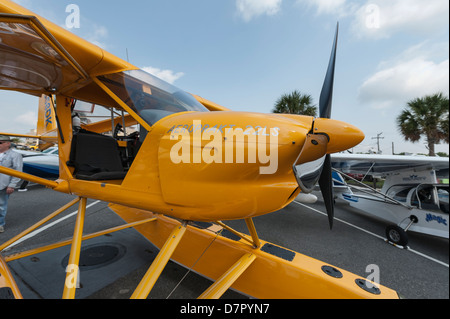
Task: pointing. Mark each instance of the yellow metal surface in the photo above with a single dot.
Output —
(20, 135)
(253, 233)
(46, 116)
(268, 277)
(72, 270)
(105, 126)
(228, 278)
(64, 114)
(234, 232)
(343, 136)
(220, 183)
(155, 270)
(209, 104)
(154, 180)
(7, 280)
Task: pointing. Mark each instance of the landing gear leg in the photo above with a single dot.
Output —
(397, 235)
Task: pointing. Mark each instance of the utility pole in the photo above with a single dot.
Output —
(378, 138)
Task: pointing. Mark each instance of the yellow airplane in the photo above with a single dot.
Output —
(194, 166)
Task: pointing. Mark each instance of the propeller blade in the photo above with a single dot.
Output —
(326, 96)
(325, 105)
(326, 187)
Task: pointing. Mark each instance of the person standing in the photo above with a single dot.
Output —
(13, 160)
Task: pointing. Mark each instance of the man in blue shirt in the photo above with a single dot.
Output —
(13, 160)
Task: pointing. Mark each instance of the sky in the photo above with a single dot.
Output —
(245, 54)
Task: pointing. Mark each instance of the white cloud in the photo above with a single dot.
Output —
(28, 119)
(412, 74)
(383, 18)
(339, 7)
(96, 35)
(248, 9)
(166, 75)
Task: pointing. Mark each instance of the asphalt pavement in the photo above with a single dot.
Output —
(356, 243)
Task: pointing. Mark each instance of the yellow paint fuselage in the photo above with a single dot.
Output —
(216, 165)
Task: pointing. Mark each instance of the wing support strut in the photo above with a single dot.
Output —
(256, 243)
(121, 103)
(228, 278)
(253, 233)
(28, 177)
(216, 290)
(148, 281)
(72, 270)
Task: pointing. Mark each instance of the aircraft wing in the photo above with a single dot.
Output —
(369, 163)
(39, 57)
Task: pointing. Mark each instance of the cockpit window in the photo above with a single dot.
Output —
(149, 96)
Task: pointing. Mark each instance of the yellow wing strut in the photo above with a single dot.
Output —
(74, 258)
(228, 278)
(155, 270)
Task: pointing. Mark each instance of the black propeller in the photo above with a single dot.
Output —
(325, 105)
(309, 171)
(326, 188)
(326, 97)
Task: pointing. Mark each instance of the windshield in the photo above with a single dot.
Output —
(150, 97)
(399, 192)
(51, 150)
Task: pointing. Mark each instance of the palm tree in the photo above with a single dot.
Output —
(426, 116)
(295, 103)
